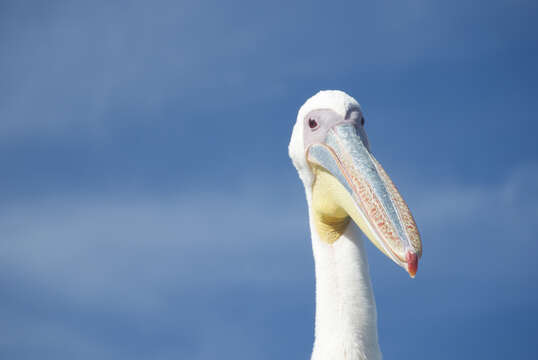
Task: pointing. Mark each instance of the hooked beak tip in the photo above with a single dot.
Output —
(412, 263)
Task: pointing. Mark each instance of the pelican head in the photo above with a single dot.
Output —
(344, 181)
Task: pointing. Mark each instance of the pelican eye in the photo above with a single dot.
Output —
(312, 123)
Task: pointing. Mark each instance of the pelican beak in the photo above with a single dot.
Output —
(350, 182)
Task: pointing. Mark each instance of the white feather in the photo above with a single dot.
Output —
(346, 317)
(336, 100)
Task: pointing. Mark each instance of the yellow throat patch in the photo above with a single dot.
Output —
(333, 207)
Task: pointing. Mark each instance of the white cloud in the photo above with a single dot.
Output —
(133, 257)
(482, 232)
(100, 251)
(74, 69)
(152, 264)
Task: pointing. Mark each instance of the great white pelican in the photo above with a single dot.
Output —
(347, 190)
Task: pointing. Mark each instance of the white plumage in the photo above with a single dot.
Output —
(346, 317)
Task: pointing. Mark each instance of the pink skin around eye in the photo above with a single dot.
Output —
(312, 123)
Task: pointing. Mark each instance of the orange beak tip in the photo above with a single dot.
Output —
(412, 263)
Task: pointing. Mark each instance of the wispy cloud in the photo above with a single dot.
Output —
(149, 209)
(496, 223)
(77, 69)
(97, 250)
(129, 257)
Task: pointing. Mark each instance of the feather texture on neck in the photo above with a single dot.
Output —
(346, 317)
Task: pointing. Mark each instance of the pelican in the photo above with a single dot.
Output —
(347, 190)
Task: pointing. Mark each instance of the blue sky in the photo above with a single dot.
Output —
(149, 209)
